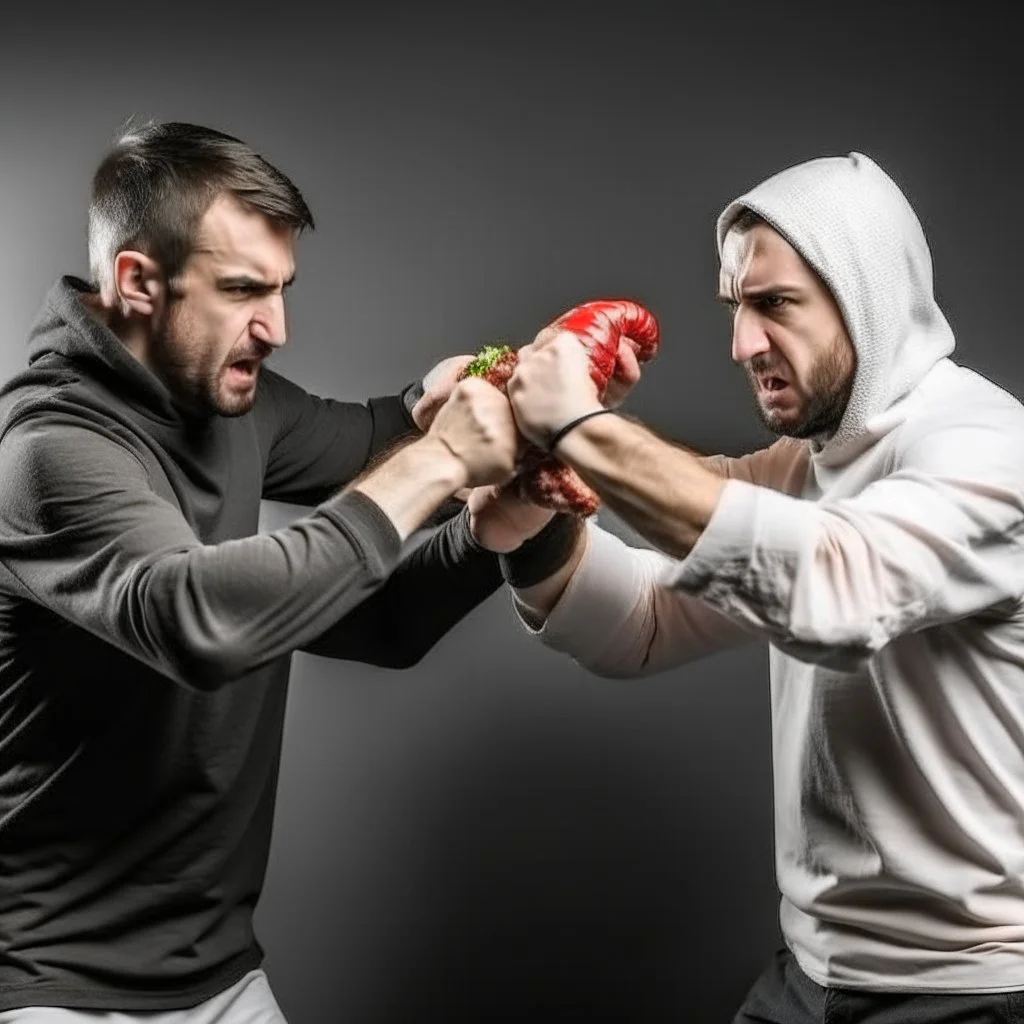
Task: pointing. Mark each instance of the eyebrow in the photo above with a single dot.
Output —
(252, 283)
(757, 293)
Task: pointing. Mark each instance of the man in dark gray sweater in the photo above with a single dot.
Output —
(145, 624)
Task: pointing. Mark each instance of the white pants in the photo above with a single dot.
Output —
(248, 1001)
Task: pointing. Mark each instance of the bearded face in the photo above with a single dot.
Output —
(225, 312)
(788, 334)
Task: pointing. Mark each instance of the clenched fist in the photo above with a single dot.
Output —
(551, 386)
(477, 427)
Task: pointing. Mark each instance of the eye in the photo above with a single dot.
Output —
(246, 291)
(772, 301)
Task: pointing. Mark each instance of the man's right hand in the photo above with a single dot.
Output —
(476, 425)
(471, 442)
(501, 521)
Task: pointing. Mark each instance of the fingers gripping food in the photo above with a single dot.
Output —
(600, 327)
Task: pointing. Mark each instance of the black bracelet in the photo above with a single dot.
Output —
(559, 434)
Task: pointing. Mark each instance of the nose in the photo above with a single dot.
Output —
(268, 323)
(749, 337)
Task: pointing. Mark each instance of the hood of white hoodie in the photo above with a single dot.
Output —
(848, 219)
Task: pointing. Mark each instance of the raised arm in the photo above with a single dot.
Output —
(583, 591)
(543, 577)
(85, 532)
(429, 592)
(939, 539)
(315, 445)
(607, 607)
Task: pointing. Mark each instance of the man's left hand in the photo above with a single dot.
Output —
(438, 384)
(501, 521)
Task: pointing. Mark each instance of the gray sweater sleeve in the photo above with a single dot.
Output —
(84, 534)
(316, 445)
(431, 590)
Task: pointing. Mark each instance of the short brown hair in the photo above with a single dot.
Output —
(156, 182)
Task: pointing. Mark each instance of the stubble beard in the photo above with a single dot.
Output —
(829, 388)
(229, 405)
(196, 391)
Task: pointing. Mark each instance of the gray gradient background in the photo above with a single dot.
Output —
(496, 834)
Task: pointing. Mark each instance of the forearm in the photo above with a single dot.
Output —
(541, 570)
(413, 483)
(616, 618)
(662, 490)
(429, 592)
(261, 597)
(89, 538)
(205, 614)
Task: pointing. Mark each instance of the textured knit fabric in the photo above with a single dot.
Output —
(851, 223)
(885, 567)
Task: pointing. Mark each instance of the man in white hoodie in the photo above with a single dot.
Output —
(878, 546)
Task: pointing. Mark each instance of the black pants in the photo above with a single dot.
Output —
(785, 995)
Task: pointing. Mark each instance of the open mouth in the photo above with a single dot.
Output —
(773, 383)
(243, 371)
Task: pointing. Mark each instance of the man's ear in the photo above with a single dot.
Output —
(139, 282)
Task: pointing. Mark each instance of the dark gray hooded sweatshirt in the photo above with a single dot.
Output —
(145, 634)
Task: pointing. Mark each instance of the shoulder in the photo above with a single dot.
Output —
(47, 445)
(59, 472)
(961, 422)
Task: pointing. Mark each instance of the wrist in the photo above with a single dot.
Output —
(542, 555)
(451, 470)
(413, 483)
(574, 423)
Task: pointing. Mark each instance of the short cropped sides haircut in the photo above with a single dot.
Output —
(157, 181)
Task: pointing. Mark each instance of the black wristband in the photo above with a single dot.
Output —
(572, 424)
(540, 556)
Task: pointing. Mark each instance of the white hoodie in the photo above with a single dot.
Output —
(886, 569)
